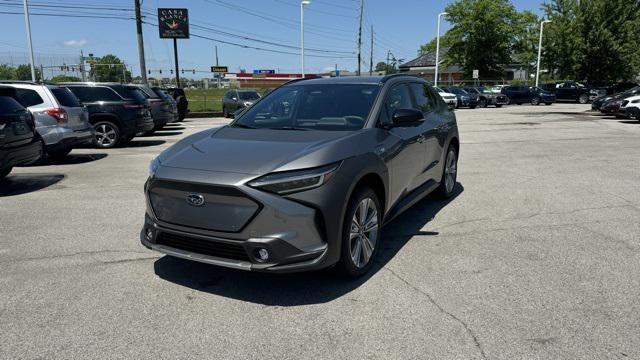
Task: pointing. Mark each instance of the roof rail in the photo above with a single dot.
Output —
(18, 82)
(391, 76)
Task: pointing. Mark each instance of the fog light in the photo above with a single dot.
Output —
(263, 254)
(149, 234)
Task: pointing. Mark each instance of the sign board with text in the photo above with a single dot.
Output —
(266, 72)
(173, 23)
(219, 69)
(476, 74)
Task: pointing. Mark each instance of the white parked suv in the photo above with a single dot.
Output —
(61, 120)
(631, 107)
(450, 99)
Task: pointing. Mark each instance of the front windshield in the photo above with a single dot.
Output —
(248, 95)
(473, 91)
(312, 107)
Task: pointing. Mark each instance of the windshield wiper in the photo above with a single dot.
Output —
(244, 126)
(288, 128)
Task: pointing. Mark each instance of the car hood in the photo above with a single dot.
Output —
(249, 151)
(443, 94)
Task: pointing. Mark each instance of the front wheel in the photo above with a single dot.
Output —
(450, 174)
(361, 233)
(535, 101)
(583, 99)
(482, 103)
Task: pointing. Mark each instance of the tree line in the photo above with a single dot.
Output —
(595, 41)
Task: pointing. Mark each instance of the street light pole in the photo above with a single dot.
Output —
(540, 51)
(28, 25)
(303, 3)
(435, 80)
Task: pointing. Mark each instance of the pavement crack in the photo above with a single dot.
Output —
(442, 310)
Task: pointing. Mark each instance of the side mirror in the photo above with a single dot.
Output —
(407, 117)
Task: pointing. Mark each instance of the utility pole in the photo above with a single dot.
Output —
(435, 77)
(371, 57)
(218, 74)
(175, 55)
(82, 74)
(540, 50)
(360, 36)
(303, 3)
(28, 25)
(143, 67)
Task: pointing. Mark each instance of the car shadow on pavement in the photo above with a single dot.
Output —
(74, 159)
(26, 183)
(144, 143)
(301, 288)
(170, 127)
(165, 133)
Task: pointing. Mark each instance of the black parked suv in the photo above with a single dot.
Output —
(181, 100)
(464, 98)
(571, 91)
(117, 112)
(161, 110)
(20, 144)
(520, 94)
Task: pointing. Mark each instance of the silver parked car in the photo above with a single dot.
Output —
(60, 118)
(305, 178)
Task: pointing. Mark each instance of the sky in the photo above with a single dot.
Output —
(331, 29)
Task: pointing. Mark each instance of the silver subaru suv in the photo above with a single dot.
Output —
(61, 120)
(305, 178)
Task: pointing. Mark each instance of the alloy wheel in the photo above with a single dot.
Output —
(106, 135)
(583, 99)
(450, 171)
(363, 234)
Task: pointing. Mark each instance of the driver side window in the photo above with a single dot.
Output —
(399, 97)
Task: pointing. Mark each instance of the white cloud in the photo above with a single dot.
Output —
(75, 43)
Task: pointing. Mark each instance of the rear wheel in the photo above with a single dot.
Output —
(450, 174)
(361, 233)
(5, 172)
(583, 99)
(535, 101)
(482, 103)
(107, 134)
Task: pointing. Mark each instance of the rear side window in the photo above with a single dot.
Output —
(83, 93)
(423, 102)
(65, 97)
(9, 105)
(28, 97)
(105, 94)
(138, 94)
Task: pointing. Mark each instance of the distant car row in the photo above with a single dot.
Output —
(61, 117)
(625, 104)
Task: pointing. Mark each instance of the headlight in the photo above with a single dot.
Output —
(247, 103)
(287, 182)
(153, 166)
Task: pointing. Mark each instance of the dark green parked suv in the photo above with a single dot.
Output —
(238, 99)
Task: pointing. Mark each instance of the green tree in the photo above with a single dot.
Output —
(64, 78)
(525, 41)
(560, 38)
(109, 68)
(23, 72)
(7, 72)
(482, 35)
(609, 46)
(388, 68)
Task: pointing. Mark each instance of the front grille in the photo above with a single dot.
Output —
(204, 247)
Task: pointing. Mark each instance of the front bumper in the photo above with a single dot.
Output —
(293, 232)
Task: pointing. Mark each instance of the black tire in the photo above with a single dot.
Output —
(59, 154)
(347, 265)
(535, 100)
(5, 172)
(107, 135)
(444, 189)
(482, 103)
(225, 112)
(583, 99)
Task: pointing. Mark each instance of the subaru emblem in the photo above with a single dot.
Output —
(195, 199)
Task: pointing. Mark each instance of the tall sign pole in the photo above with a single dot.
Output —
(435, 78)
(143, 66)
(360, 36)
(174, 24)
(371, 57)
(540, 51)
(218, 65)
(28, 25)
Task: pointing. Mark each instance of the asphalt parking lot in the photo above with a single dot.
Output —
(537, 257)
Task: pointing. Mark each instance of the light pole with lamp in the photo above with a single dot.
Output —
(435, 79)
(540, 51)
(303, 3)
